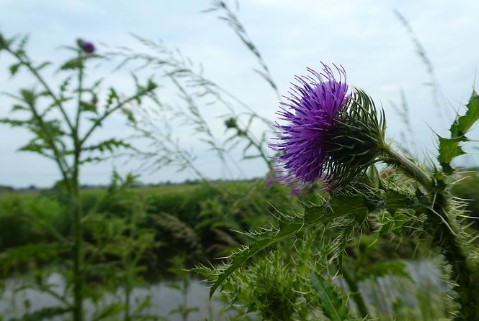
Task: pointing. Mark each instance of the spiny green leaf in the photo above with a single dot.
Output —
(336, 207)
(463, 123)
(449, 148)
(395, 200)
(333, 304)
(237, 259)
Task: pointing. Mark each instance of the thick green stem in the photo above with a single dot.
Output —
(412, 170)
(443, 230)
(446, 235)
(77, 230)
(78, 255)
(78, 279)
(80, 92)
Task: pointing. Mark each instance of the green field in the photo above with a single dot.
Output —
(167, 228)
(194, 218)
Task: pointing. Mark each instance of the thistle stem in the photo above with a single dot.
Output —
(411, 169)
(441, 227)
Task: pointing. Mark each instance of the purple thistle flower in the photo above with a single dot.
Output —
(309, 113)
(327, 132)
(86, 46)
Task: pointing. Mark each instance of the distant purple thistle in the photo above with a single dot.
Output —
(86, 46)
(310, 113)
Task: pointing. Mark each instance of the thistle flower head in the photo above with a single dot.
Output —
(86, 46)
(329, 134)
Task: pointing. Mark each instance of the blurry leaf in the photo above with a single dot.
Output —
(85, 106)
(381, 269)
(112, 309)
(44, 313)
(64, 85)
(332, 303)
(91, 160)
(112, 96)
(151, 85)
(43, 65)
(129, 115)
(51, 129)
(182, 310)
(3, 42)
(14, 69)
(28, 96)
(33, 147)
(108, 145)
(17, 107)
(14, 122)
(19, 257)
(144, 303)
(72, 64)
(20, 52)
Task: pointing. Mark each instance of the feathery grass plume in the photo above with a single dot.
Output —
(330, 135)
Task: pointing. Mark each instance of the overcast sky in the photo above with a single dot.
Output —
(366, 37)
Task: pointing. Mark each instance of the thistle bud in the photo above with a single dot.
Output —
(86, 46)
(355, 140)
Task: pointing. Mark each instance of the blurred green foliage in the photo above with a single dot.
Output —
(210, 212)
(202, 220)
